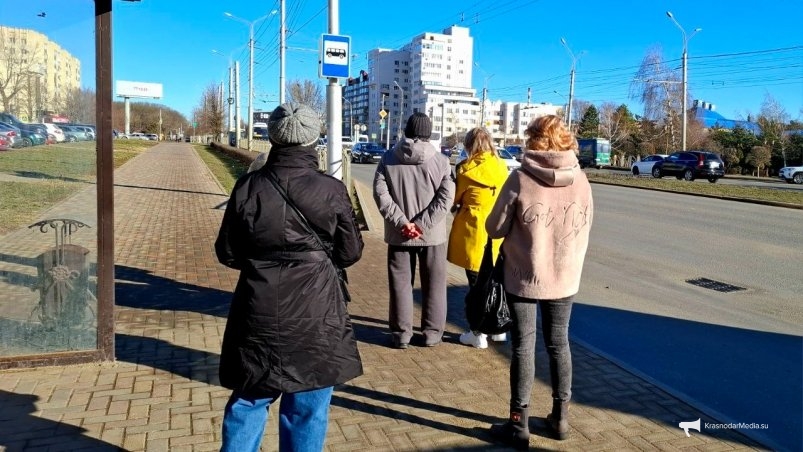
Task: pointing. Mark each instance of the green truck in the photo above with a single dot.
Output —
(594, 152)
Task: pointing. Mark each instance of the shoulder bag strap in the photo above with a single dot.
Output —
(304, 223)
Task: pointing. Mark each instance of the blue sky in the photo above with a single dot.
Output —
(744, 51)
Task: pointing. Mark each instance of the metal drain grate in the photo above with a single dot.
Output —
(714, 285)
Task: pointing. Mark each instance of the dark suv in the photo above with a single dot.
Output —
(690, 165)
(31, 127)
(367, 152)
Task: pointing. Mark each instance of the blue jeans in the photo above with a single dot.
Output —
(303, 419)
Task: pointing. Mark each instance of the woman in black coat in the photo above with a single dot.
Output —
(288, 332)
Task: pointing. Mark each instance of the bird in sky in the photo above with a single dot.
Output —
(42, 14)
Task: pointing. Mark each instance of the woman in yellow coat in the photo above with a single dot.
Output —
(479, 179)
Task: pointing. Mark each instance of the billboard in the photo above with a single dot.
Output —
(139, 89)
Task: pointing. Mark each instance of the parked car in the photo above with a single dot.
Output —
(690, 165)
(792, 174)
(644, 166)
(137, 136)
(510, 161)
(10, 119)
(12, 135)
(55, 131)
(4, 143)
(367, 152)
(90, 132)
(152, 136)
(33, 138)
(75, 133)
(515, 150)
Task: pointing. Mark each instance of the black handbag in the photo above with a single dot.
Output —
(342, 277)
(487, 310)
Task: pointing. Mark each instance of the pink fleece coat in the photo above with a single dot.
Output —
(544, 213)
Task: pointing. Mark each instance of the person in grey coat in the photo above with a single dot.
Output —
(413, 189)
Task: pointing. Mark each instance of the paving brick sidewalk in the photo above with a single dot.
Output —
(172, 296)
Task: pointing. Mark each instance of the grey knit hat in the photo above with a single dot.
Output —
(418, 126)
(294, 124)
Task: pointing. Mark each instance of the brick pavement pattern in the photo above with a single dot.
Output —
(163, 394)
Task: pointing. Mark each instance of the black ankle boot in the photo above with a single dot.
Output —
(558, 420)
(515, 432)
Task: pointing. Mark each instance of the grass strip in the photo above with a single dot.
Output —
(51, 174)
(763, 194)
(225, 169)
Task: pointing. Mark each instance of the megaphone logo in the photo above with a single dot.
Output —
(690, 425)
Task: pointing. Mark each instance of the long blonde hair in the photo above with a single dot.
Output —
(478, 140)
(548, 133)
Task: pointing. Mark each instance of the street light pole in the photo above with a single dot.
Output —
(351, 119)
(571, 82)
(484, 93)
(401, 110)
(387, 125)
(282, 46)
(250, 72)
(564, 98)
(685, 80)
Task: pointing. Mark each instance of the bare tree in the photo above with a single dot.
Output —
(209, 113)
(79, 106)
(772, 120)
(310, 94)
(615, 123)
(656, 86)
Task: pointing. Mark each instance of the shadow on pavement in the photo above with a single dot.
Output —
(196, 365)
(136, 288)
(44, 176)
(21, 430)
(734, 374)
(425, 420)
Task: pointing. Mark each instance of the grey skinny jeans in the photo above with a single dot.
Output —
(555, 316)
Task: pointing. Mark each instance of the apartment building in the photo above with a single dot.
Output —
(41, 73)
(431, 74)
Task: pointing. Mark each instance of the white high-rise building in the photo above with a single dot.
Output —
(432, 74)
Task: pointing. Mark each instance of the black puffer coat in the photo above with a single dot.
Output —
(288, 328)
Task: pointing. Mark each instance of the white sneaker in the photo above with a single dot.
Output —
(474, 340)
(499, 337)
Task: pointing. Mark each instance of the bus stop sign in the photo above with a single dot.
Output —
(335, 51)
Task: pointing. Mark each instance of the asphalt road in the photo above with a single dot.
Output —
(736, 355)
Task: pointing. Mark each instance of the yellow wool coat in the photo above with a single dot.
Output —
(479, 181)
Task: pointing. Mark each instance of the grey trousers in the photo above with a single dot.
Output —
(401, 275)
(555, 316)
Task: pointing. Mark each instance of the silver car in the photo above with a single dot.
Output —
(644, 166)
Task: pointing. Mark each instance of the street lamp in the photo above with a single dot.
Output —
(564, 98)
(250, 71)
(484, 93)
(401, 109)
(571, 81)
(230, 99)
(351, 119)
(685, 82)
